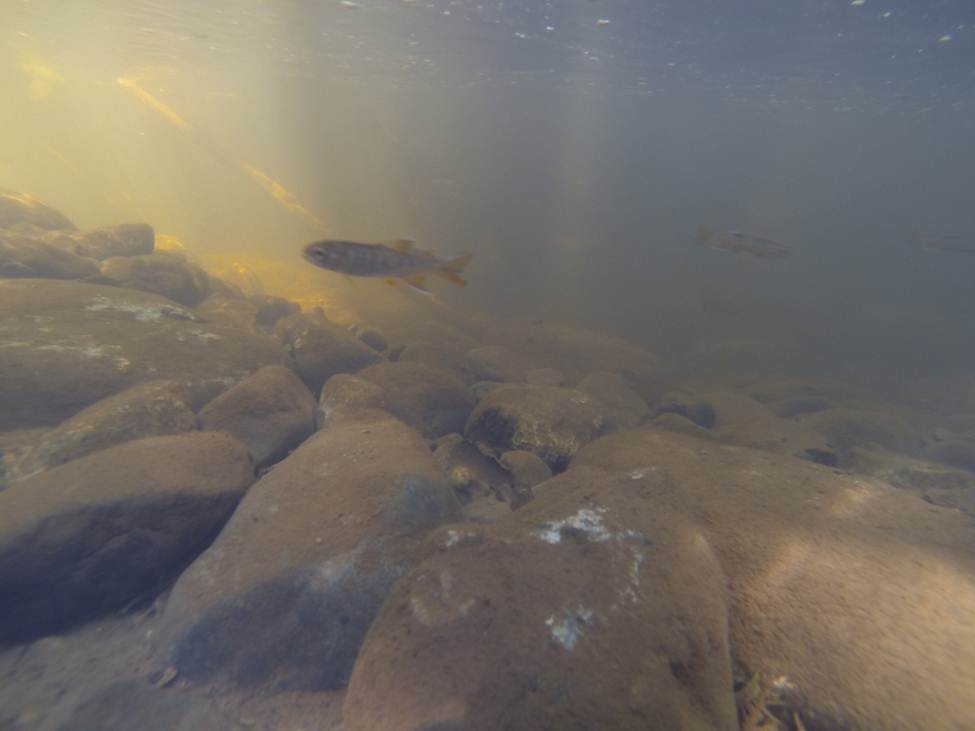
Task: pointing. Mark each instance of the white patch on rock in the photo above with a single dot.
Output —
(454, 537)
(567, 629)
(142, 312)
(585, 520)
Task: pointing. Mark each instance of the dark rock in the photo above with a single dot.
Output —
(544, 377)
(65, 345)
(495, 363)
(483, 388)
(272, 309)
(526, 469)
(233, 312)
(595, 607)
(22, 208)
(691, 407)
(271, 412)
(285, 595)
(99, 533)
(624, 407)
(431, 400)
(345, 392)
(477, 476)
(25, 257)
(675, 422)
(126, 239)
(135, 705)
(156, 408)
(320, 349)
(550, 422)
(846, 428)
(161, 273)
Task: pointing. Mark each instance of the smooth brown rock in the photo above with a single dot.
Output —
(161, 273)
(320, 349)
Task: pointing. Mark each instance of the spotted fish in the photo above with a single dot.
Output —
(392, 261)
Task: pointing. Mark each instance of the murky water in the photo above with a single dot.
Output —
(693, 447)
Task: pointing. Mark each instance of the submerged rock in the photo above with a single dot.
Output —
(478, 478)
(25, 257)
(101, 532)
(373, 338)
(125, 239)
(271, 412)
(594, 607)
(431, 400)
(624, 407)
(319, 349)
(285, 595)
(66, 345)
(22, 208)
(161, 273)
(495, 363)
(526, 469)
(846, 428)
(345, 392)
(151, 409)
(547, 421)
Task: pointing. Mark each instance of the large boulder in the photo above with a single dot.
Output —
(125, 239)
(155, 408)
(272, 412)
(65, 345)
(26, 257)
(99, 533)
(431, 400)
(161, 273)
(18, 209)
(624, 407)
(547, 421)
(595, 607)
(320, 349)
(285, 595)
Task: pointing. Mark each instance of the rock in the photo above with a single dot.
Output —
(233, 312)
(958, 453)
(66, 345)
(23, 208)
(156, 408)
(271, 412)
(446, 356)
(732, 408)
(596, 607)
(689, 406)
(101, 532)
(672, 421)
(908, 473)
(134, 705)
(527, 469)
(780, 529)
(544, 377)
(793, 407)
(483, 388)
(272, 309)
(551, 423)
(846, 428)
(476, 476)
(161, 273)
(320, 349)
(624, 407)
(373, 338)
(495, 363)
(126, 239)
(285, 595)
(25, 257)
(347, 392)
(431, 400)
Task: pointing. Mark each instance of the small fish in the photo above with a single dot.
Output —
(740, 243)
(952, 244)
(392, 261)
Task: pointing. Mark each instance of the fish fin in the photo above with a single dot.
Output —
(453, 267)
(400, 244)
(704, 235)
(391, 281)
(418, 284)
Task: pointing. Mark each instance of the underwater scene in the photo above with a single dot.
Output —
(462, 365)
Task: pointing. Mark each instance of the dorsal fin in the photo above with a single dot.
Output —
(400, 244)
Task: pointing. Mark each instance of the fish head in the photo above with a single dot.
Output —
(322, 253)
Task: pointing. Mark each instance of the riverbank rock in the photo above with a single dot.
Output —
(160, 273)
(431, 400)
(550, 422)
(283, 598)
(112, 528)
(24, 209)
(26, 257)
(271, 412)
(156, 408)
(595, 607)
(319, 349)
(66, 345)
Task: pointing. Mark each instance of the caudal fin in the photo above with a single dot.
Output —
(453, 267)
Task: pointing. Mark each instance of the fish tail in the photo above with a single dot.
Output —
(453, 267)
(704, 235)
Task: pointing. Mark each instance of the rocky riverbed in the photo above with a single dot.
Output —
(218, 511)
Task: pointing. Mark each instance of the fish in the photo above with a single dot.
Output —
(741, 243)
(392, 261)
(953, 244)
